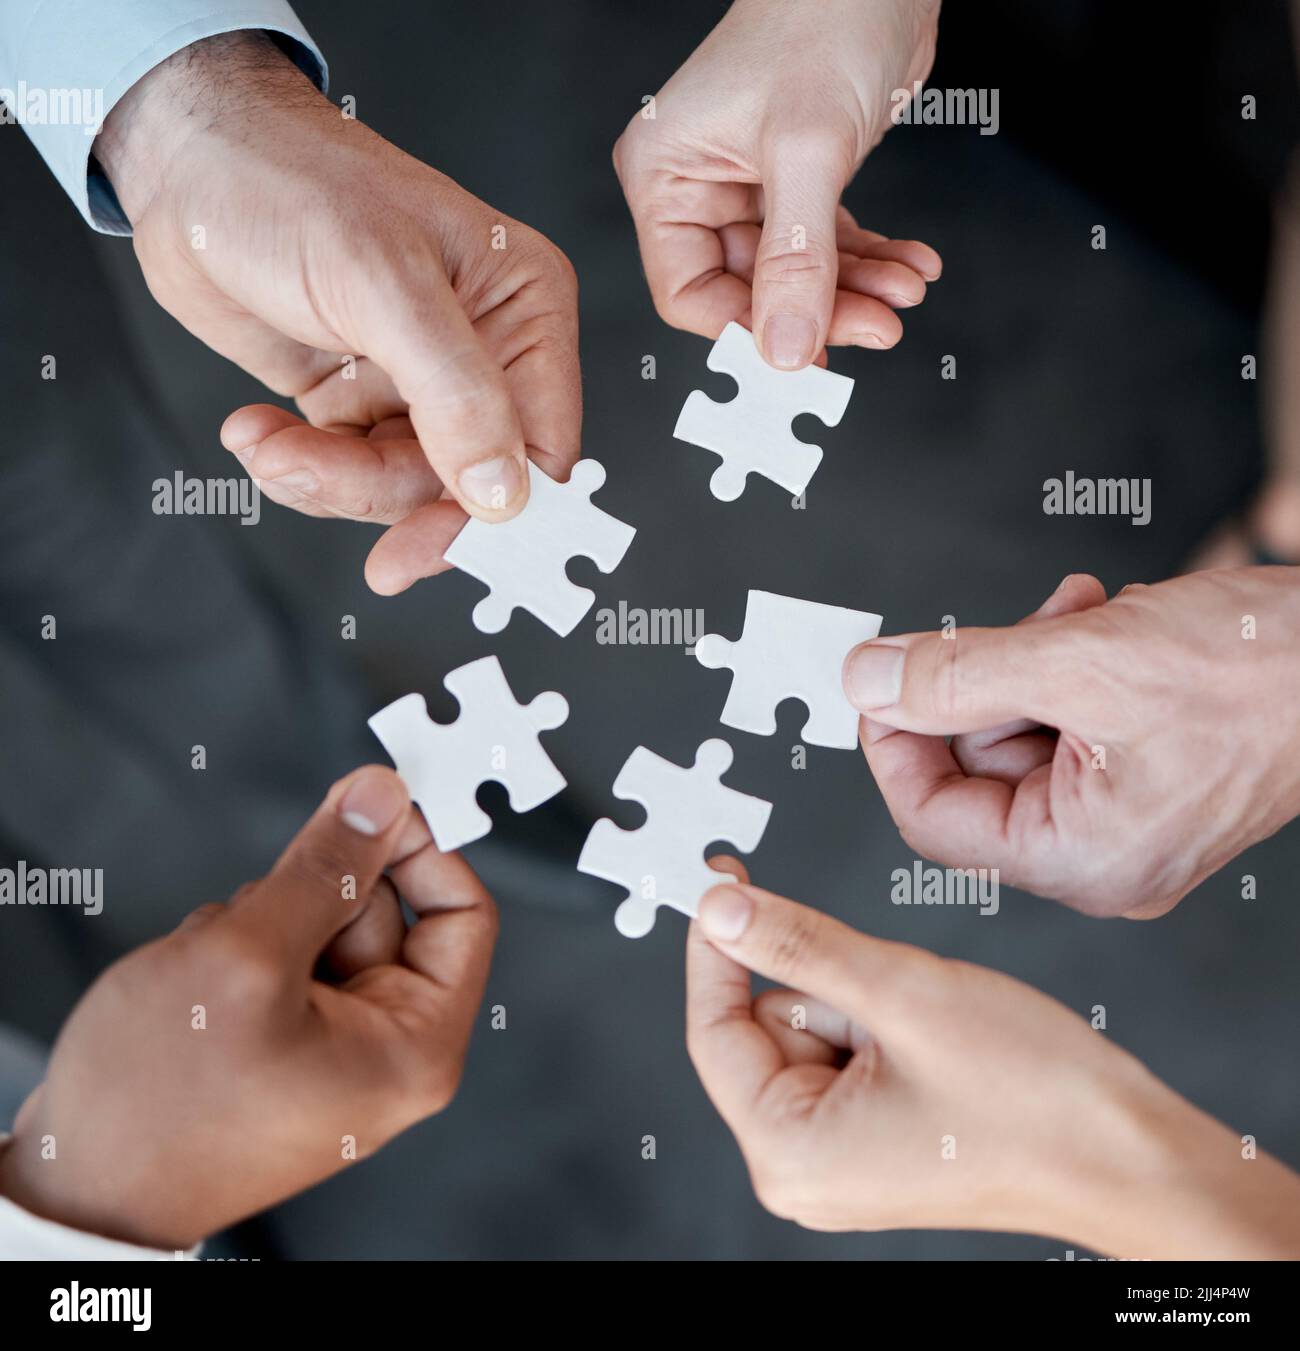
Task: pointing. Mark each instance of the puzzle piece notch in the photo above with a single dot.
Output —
(752, 432)
(495, 737)
(791, 649)
(522, 561)
(687, 809)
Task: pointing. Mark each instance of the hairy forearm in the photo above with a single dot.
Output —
(213, 84)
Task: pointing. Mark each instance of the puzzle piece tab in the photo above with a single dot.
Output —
(495, 737)
(522, 561)
(662, 862)
(791, 649)
(752, 432)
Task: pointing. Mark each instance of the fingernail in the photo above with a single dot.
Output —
(790, 341)
(492, 483)
(300, 481)
(372, 802)
(873, 677)
(246, 454)
(725, 913)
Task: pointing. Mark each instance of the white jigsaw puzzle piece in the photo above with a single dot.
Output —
(522, 561)
(662, 862)
(752, 432)
(495, 737)
(791, 649)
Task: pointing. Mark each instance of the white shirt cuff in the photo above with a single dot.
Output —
(65, 64)
(25, 1237)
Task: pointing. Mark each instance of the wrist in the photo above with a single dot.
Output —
(1168, 1181)
(211, 87)
(23, 1183)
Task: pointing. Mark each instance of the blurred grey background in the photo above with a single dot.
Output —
(175, 631)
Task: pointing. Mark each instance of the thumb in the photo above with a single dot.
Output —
(805, 950)
(967, 680)
(326, 873)
(459, 402)
(797, 265)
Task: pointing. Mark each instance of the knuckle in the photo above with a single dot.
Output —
(784, 265)
(909, 828)
(774, 1003)
(777, 1194)
(244, 966)
(437, 1086)
(1146, 880)
(918, 979)
(542, 252)
(322, 865)
(465, 398)
(899, 276)
(128, 974)
(945, 686)
(910, 981)
(415, 1081)
(671, 306)
(791, 943)
(491, 920)
(699, 1044)
(627, 150)
(1096, 903)
(667, 308)
(444, 1088)
(561, 269)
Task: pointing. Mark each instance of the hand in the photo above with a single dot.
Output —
(764, 126)
(428, 340)
(323, 1020)
(1111, 755)
(887, 1088)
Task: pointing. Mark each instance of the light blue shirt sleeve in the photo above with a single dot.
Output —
(64, 64)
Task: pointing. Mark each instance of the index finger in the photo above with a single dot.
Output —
(942, 813)
(1077, 591)
(449, 948)
(334, 861)
(870, 979)
(677, 228)
(460, 405)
